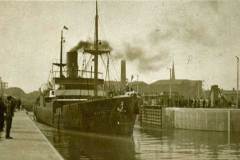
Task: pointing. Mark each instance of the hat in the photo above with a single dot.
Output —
(9, 97)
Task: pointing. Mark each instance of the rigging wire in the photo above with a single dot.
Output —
(105, 66)
(108, 71)
(86, 65)
(83, 63)
(117, 76)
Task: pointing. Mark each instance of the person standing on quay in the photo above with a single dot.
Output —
(10, 106)
(2, 108)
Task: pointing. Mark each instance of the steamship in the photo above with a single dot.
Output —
(74, 99)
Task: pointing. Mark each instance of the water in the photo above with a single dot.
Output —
(145, 145)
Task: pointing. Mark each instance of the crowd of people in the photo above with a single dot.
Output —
(180, 102)
(190, 103)
(7, 109)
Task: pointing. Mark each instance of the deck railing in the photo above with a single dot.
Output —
(77, 74)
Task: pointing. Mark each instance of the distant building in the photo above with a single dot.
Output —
(230, 96)
(3, 86)
(220, 97)
(182, 87)
(172, 87)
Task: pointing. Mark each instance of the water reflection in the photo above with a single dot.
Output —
(95, 147)
(145, 145)
(74, 145)
(187, 144)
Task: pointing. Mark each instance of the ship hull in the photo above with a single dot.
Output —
(113, 116)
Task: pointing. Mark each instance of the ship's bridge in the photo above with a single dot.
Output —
(79, 79)
(73, 93)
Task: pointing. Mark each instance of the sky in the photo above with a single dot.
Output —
(201, 37)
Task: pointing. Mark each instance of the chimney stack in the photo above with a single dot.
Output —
(173, 72)
(72, 64)
(123, 72)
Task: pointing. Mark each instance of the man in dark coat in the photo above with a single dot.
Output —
(2, 108)
(10, 106)
(18, 104)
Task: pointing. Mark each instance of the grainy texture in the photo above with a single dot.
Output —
(27, 143)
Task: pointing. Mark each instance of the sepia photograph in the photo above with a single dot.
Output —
(119, 80)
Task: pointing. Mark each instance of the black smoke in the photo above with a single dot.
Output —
(90, 45)
(147, 59)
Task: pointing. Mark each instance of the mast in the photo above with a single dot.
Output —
(96, 53)
(61, 48)
(60, 64)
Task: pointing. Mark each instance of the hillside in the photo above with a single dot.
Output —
(16, 92)
(26, 98)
